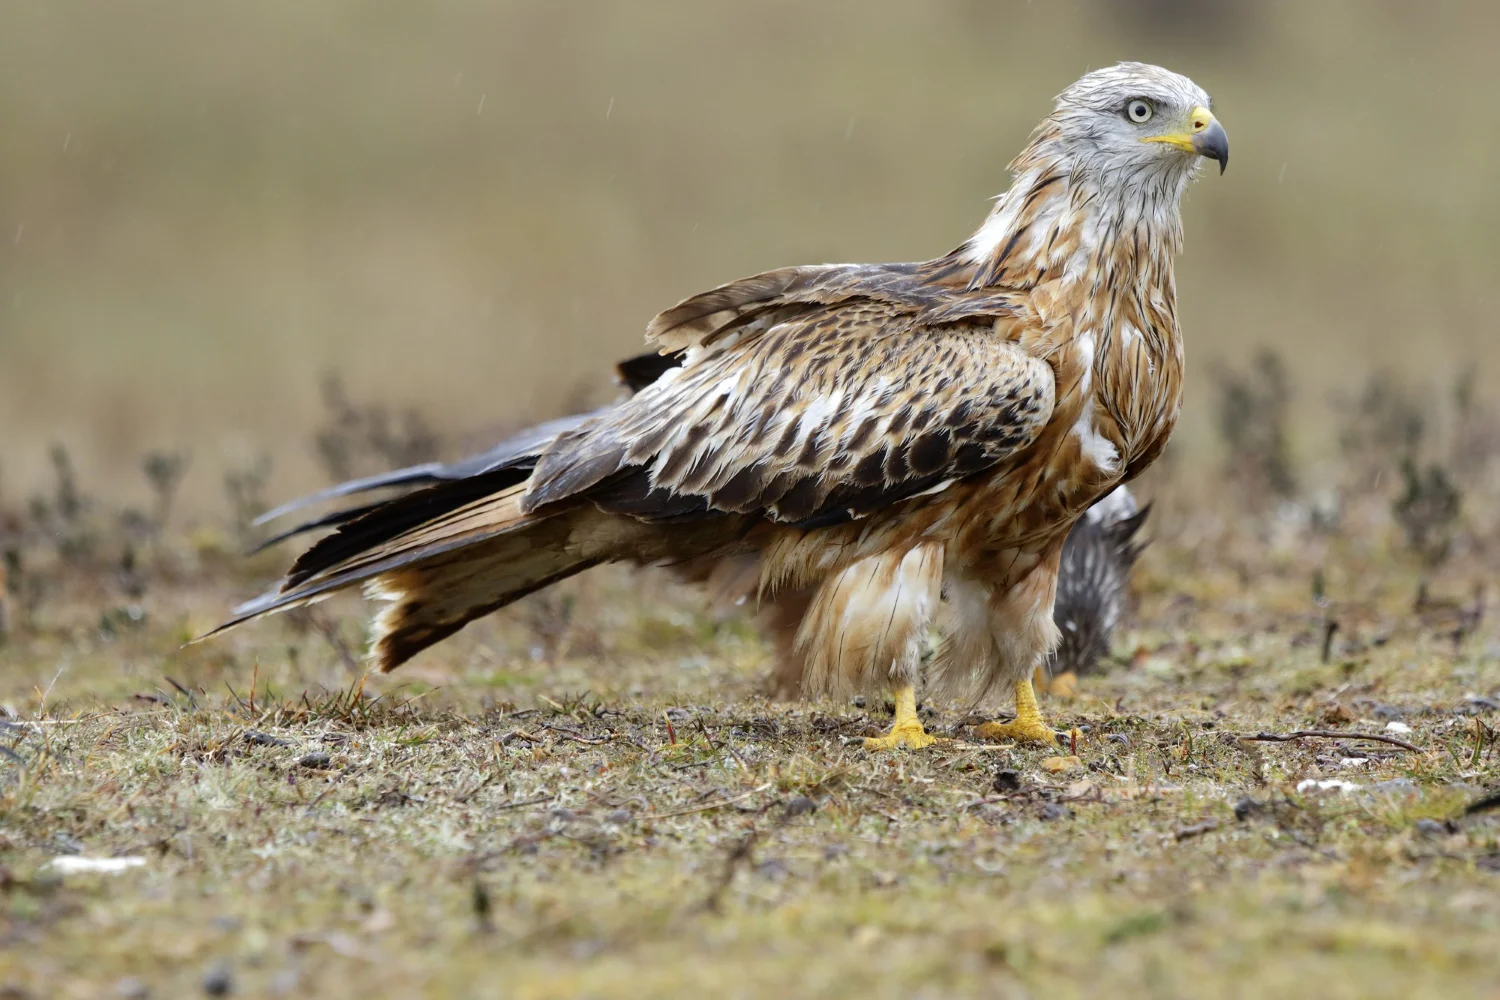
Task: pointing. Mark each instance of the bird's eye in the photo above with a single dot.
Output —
(1138, 111)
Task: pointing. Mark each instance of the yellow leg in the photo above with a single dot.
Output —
(907, 730)
(1029, 726)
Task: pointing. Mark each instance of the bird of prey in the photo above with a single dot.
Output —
(1093, 575)
(880, 435)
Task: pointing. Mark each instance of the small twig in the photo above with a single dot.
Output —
(1196, 830)
(469, 793)
(574, 734)
(320, 797)
(235, 695)
(482, 907)
(1329, 734)
(528, 802)
(988, 800)
(1330, 628)
(712, 805)
(740, 855)
(873, 791)
(192, 699)
(1488, 802)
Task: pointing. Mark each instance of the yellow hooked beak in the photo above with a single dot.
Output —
(1204, 136)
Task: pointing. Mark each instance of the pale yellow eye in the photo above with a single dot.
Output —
(1139, 111)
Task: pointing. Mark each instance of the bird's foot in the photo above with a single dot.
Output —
(910, 735)
(907, 730)
(1029, 726)
(1022, 731)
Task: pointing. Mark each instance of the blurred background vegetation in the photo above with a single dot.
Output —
(467, 209)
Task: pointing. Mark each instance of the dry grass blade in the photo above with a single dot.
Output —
(1329, 734)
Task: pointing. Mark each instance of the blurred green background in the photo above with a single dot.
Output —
(473, 207)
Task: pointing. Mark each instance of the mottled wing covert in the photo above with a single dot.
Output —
(814, 414)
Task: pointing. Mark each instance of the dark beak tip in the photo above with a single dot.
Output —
(1214, 144)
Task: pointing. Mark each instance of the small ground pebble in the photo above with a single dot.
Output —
(800, 806)
(218, 981)
(1247, 807)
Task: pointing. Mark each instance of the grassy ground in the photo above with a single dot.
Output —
(587, 797)
(471, 210)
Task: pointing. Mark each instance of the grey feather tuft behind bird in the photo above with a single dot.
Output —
(1094, 579)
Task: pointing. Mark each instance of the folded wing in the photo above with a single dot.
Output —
(808, 414)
